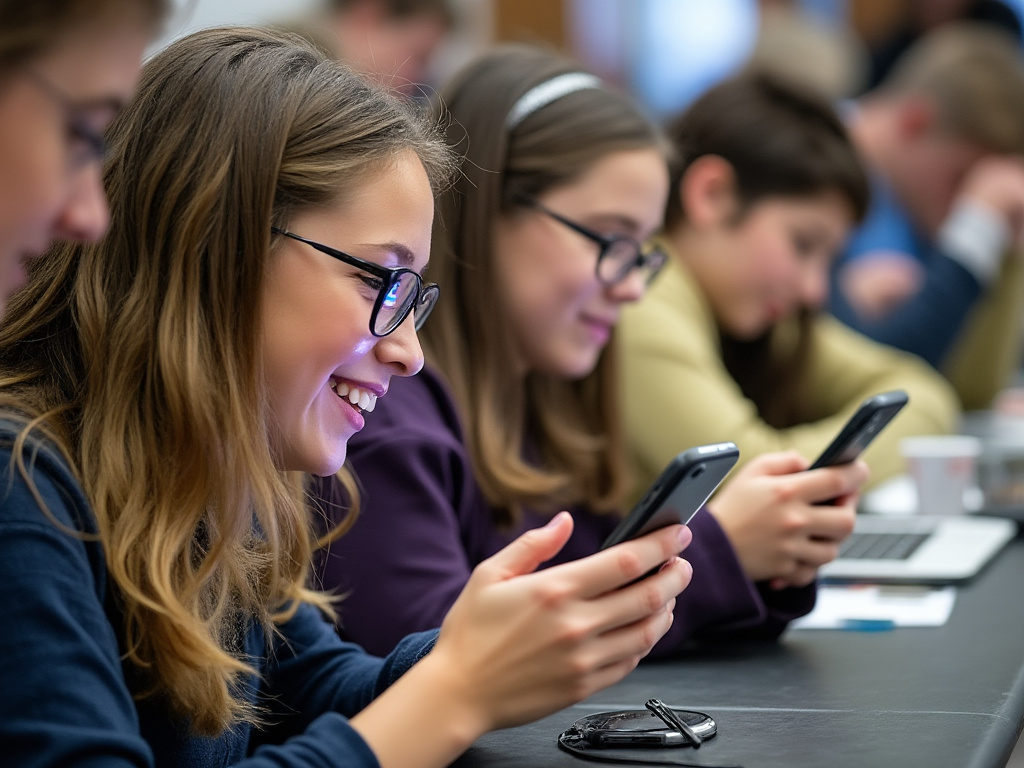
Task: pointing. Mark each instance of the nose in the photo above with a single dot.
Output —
(630, 288)
(401, 349)
(85, 216)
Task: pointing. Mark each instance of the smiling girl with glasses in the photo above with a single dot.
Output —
(165, 396)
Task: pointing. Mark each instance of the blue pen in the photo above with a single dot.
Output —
(867, 625)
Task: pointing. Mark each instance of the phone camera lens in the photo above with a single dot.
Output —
(698, 471)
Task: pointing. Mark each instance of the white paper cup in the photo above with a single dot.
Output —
(944, 469)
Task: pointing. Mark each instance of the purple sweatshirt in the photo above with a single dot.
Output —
(424, 524)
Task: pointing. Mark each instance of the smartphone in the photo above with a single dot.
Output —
(681, 489)
(870, 418)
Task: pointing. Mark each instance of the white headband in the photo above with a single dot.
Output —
(547, 92)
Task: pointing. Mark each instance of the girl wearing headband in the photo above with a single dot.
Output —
(165, 394)
(541, 242)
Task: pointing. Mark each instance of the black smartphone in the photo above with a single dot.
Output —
(681, 489)
(869, 419)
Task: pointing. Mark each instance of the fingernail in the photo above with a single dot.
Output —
(554, 520)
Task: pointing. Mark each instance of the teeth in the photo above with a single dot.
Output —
(363, 399)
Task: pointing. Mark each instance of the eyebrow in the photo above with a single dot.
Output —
(402, 252)
(629, 224)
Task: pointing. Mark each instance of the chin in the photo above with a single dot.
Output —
(578, 369)
(330, 466)
(323, 464)
(749, 331)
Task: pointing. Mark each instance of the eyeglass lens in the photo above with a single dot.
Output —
(93, 146)
(622, 256)
(402, 297)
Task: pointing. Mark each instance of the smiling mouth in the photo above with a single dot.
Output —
(361, 399)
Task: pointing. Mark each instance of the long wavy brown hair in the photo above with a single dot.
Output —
(542, 443)
(140, 356)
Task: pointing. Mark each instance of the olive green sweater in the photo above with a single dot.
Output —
(677, 393)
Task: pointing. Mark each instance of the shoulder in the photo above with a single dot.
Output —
(46, 520)
(673, 318)
(37, 486)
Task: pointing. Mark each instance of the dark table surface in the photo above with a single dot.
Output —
(938, 697)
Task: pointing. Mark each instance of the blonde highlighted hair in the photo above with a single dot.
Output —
(542, 443)
(140, 355)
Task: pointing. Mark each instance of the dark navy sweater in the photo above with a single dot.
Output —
(66, 697)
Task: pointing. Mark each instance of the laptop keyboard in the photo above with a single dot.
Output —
(881, 546)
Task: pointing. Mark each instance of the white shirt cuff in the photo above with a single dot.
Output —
(975, 237)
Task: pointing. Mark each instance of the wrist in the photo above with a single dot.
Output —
(459, 697)
(426, 718)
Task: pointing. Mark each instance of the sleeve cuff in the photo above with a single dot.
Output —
(975, 237)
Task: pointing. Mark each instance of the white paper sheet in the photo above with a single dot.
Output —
(871, 607)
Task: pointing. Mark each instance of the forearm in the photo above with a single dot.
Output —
(721, 601)
(927, 324)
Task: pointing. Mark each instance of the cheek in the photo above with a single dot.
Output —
(761, 264)
(531, 277)
(563, 295)
(307, 333)
(34, 185)
(778, 265)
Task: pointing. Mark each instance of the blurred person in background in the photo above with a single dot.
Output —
(390, 41)
(933, 269)
(823, 53)
(732, 343)
(917, 18)
(66, 69)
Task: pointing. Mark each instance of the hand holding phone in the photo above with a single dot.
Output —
(681, 489)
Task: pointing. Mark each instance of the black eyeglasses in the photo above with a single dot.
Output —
(618, 255)
(94, 146)
(399, 290)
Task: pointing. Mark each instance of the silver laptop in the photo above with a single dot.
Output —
(918, 549)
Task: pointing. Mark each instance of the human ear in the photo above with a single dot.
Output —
(915, 118)
(708, 192)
